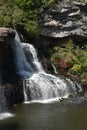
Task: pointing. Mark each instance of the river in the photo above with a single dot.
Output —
(66, 115)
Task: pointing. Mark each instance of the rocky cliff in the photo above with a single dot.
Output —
(6, 38)
(66, 19)
(10, 86)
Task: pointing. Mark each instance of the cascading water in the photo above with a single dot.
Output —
(38, 85)
(23, 68)
(54, 68)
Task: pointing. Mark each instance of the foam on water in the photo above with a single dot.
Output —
(46, 101)
(5, 115)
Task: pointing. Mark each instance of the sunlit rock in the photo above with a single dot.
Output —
(66, 19)
(6, 36)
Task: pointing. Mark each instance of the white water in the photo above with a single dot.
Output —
(29, 49)
(55, 70)
(38, 85)
(5, 115)
(23, 68)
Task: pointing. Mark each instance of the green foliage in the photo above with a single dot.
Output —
(48, 3)
(76, 69)
(63, 52)
(23, 14)
(76, 55)
(32, 27)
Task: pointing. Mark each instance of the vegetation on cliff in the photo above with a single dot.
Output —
(71, 58)
(24, 15)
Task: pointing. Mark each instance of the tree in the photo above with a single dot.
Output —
(75, 55)
(23, 14)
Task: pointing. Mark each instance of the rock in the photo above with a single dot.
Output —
(66, 19)
(13, 93)
(11, 88)
(84, 83)
(6, 36)
(74, 13)
(52, 23)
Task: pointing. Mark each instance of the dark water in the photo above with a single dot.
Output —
(54, 116)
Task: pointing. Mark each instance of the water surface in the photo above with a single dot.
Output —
(53, 116)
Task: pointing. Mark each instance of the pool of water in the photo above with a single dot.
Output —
(52, 116)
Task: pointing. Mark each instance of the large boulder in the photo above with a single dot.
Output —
(6, 36)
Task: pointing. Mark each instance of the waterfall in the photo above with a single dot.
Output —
(23, 68)
(30, 50)
(54, 68)
(37, 84)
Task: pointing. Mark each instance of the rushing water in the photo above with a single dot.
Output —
(37, 84)
(54, 116)
(38, 87)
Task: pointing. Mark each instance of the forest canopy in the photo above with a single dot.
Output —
(23, 14)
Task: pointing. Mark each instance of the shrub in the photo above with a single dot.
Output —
(75, 55)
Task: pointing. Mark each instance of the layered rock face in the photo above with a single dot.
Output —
(6, 38)
(67, 18)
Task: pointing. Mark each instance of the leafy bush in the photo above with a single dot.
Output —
(74, 54)
(23, 14)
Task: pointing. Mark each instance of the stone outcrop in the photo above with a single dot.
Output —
(6, 36)
(67, 18)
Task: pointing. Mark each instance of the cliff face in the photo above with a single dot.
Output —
(9, 85)
(6, 38)
(6, 35)
(66, 19)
